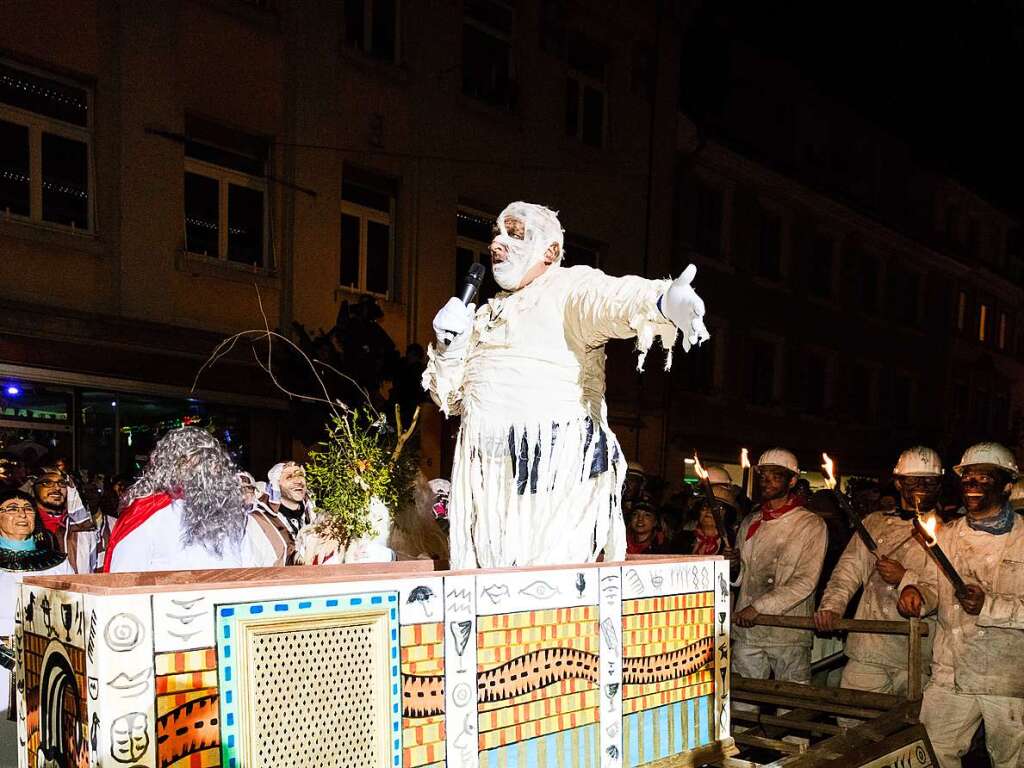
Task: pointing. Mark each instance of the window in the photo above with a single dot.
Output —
(225, 194)
(708, 223)
(821, 268)
(902, 403)
(488, 27)
(974, 238)
(864, 269)
(367, 232)
(860, 394)
(45, 149)
(699, 372)
(762, 369)
(904, 295)
(983, 322)
(769, 252)
(815, 383)
(371, 27)
(961, 310)
(586, 96)
(473, 235)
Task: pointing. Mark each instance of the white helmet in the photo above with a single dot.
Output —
(991, 455)
(919, 461)
(779, 457)
(719, 475)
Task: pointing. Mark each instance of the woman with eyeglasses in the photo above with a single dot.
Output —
(26, 547)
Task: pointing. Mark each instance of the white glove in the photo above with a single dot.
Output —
(452, 323)
(685, 308)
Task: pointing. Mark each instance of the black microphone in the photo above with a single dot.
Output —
(471, 286)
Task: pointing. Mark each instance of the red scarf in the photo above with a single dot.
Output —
(51, 522)
(706, 544)
(134, 515)
(792, 502)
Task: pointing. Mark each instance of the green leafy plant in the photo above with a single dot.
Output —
(363, 456)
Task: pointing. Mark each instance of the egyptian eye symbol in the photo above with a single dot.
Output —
(539, 590)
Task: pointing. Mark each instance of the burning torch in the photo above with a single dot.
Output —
(844, 504)
(712, 500)
(745, 482)
(925, 528)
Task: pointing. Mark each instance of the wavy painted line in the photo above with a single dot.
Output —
(423, 695)
(192, 727)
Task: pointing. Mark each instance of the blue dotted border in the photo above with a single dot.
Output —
(227, 617)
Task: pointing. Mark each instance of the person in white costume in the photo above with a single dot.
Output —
(186, 512)
(538, 473)
(977, 669)
(781, 547)
(879, 662)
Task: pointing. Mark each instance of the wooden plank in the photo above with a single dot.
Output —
(237, 578)
(749, 740)
(709, 753)
(819, 706)
(803, 692)
(914, 660)
(844, 625)
(796, 724)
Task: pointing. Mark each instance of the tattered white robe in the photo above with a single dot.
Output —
(537, 471)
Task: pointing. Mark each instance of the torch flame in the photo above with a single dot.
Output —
(701, 472)
(744, 459)
(829, 467)
(928, 525)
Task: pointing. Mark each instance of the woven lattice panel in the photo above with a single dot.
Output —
(315, 697)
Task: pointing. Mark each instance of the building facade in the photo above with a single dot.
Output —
(163, 162)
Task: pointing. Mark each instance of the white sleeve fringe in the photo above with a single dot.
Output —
(443, 378)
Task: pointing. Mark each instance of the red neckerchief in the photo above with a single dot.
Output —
(792, 502)
(134, 515)
(706, 544)
(51, 522)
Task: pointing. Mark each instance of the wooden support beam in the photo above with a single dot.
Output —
(795, 724)
(820, 706)
(802, 692)
(844, 625)
(749, 740)
(914, 660)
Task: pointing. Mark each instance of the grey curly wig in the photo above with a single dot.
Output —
(190, 464)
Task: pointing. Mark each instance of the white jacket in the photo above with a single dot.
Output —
(856, 569)
(779, 570)
(981, 654)
(530, 388)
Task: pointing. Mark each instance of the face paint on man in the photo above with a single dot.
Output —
(985, 491)
(918, 493)
(528, 241)
(293, 484)
(776, 483)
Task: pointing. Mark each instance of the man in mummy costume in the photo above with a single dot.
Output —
(538, 473)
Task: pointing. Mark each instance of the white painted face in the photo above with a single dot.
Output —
(525, 232)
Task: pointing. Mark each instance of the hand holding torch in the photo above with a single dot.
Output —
(925, 528)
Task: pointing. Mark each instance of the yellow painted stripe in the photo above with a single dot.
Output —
(538, 710)
(532, 730)
(561, 688)
(653, 700)
(536, 618)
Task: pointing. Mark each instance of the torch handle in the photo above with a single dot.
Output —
(856, 522)
(716, 511)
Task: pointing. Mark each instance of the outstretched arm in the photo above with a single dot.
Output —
(602, 307)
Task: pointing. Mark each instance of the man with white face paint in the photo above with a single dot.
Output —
(538, 473)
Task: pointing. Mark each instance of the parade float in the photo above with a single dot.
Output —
(585, 666)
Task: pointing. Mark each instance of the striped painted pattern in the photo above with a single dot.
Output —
(422, 652)
(576, 748)
(670, 730)
(182, 677)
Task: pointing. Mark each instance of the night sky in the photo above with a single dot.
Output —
(945, 77)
